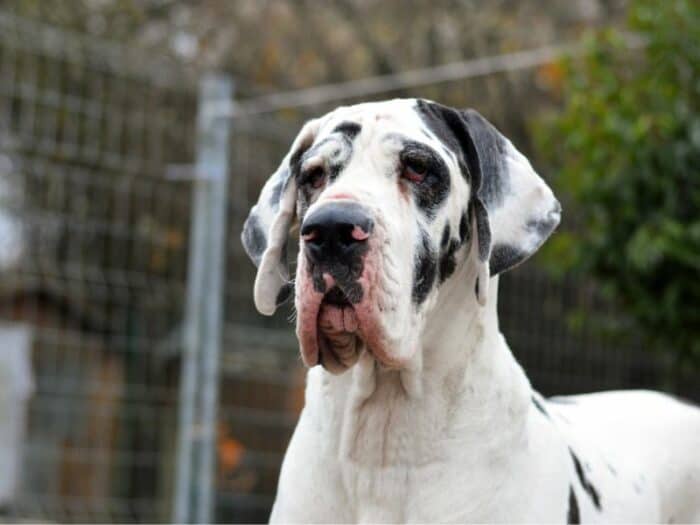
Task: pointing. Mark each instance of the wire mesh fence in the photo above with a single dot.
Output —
(94, 244)
(95, 236)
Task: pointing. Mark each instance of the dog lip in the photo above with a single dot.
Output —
(336, 297)
(337, 339)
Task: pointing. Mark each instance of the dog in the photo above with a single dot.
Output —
(407, 212)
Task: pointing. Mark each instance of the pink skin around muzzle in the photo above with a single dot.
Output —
(341, 324)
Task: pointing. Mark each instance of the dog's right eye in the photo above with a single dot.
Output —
(314, 177)
(414, 170)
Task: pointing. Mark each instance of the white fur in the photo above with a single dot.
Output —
(470, 447)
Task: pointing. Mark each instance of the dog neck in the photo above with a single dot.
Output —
(463, 382)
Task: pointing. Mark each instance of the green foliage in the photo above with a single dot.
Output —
(625, 157)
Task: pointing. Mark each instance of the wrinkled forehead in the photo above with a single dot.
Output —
(372, 122)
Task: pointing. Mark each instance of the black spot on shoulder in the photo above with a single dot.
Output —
(539, 406)
(573, 516)
(349, 129)
(585, 483)
(425, 269)
(253, 237)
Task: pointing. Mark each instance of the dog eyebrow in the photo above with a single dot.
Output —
(349, 129)
(402, 139)
(318, 149)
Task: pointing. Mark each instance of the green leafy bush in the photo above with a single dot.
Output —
(625, 155)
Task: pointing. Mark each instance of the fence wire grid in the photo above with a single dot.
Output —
(95, 237)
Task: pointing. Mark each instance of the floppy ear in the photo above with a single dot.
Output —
(266, 229)
(513, 209)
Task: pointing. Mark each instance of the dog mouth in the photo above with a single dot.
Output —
(341, 316)
(337, 332)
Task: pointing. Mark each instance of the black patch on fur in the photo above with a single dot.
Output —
(480, 150)
(336, 163)
(445, 237)
(448, 260)
(434, 117)
(432, 191)
(425, 269)
(295, 160)
(573, 516)
(585, 483)
(464, 233)
(448, 249)
(491, 149)
(253, 237)
(476, 141)
(483, 230)
(503, 257)
(334, 169)
(539, 406)
(349, 129)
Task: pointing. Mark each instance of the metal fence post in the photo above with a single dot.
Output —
(193, 496)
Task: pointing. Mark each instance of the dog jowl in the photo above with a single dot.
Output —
(390, 198)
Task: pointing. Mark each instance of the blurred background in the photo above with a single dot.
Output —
(137, 382)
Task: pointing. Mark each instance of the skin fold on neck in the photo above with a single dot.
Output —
(462, 383)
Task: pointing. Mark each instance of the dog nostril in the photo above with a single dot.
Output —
(349, 234)
(359, 234)
(310, 236)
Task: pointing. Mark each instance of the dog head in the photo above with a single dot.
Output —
(390, 198)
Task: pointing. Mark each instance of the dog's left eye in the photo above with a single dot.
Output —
(314, 177)
(414, 170)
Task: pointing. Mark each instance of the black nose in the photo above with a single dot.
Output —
(336, 232)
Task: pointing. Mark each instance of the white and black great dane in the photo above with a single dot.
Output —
(407, 212)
